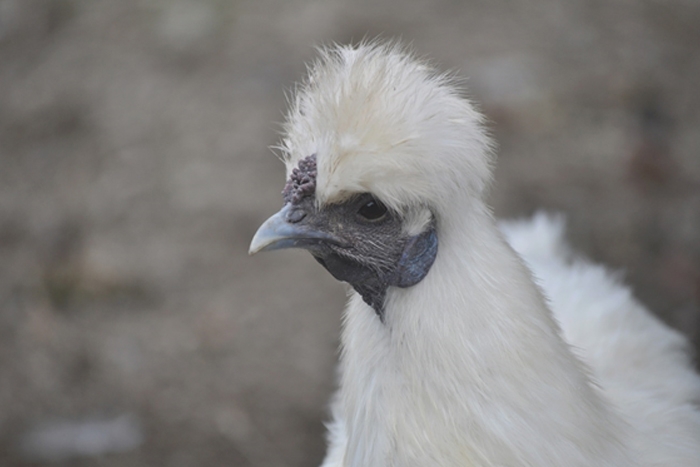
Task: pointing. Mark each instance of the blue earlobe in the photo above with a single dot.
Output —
(417, 258)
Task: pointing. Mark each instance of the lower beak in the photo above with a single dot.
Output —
(278, 232)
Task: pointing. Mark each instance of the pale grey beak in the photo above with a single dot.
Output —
(280, 232)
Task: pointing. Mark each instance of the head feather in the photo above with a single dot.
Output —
(382, 121)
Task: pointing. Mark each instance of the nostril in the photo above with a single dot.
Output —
(295, 215)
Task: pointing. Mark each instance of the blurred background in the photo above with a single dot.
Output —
(134, 169)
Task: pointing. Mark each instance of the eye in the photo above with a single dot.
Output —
(372, 210)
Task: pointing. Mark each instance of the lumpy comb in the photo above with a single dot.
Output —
(302, 181)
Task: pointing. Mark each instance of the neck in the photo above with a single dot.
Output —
(469, 368)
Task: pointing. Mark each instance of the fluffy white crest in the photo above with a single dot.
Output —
(381, 121)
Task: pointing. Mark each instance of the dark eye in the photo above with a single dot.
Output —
(372, 210)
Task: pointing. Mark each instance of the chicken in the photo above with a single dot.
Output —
(451, 354)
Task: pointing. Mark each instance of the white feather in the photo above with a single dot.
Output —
(471, 366)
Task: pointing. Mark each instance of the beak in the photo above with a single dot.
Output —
(279, 232)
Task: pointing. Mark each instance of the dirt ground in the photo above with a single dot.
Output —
(134, 169)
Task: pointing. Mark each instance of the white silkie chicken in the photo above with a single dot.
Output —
(451, 355)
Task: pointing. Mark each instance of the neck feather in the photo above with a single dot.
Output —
(469, 364)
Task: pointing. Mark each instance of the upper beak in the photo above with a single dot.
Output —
(278, 232)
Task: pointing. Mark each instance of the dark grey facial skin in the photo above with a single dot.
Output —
(359, 241)
(369, 254)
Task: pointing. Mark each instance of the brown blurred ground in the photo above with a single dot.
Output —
(134, 169)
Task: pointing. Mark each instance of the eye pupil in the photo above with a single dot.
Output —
(372, 210)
